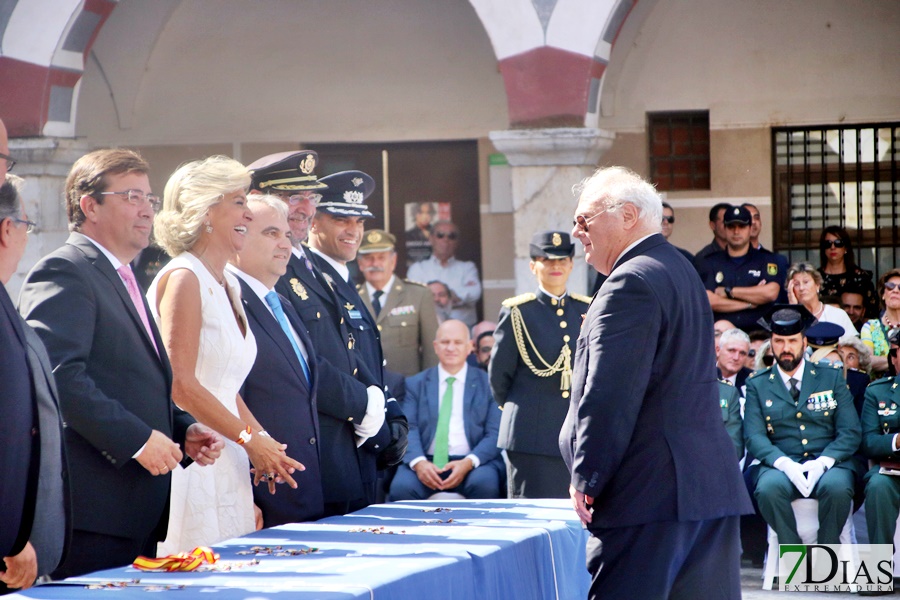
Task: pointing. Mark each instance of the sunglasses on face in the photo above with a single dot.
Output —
(450, 236)
(751, 353)
(669, 220)
(832, 244)
(891, 285)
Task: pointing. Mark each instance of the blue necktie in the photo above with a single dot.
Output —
(275, 304)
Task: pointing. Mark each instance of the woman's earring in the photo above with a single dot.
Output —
(208, 227)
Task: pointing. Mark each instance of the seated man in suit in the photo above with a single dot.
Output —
(453, 426)
(732, 349)
(800, 422)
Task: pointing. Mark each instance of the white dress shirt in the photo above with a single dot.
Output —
(461, 277)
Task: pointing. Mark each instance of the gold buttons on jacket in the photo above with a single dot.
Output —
(804, 441)
(560, 312)
(565, 394)
(799, 415)
(566, 338)
(562, 324)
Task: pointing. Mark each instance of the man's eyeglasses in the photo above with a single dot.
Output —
(669, 220)
(451, 235)
(826, 244)
(582, 222)
(10, 163)
(298, 198)
(31, 225)
(138, 198)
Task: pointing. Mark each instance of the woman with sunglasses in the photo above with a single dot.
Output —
(874, 333)
(839, 269)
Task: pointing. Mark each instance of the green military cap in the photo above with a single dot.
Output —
(376, 240)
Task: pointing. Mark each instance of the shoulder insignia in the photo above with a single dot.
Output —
(411, 282)
(580, 297)
(759, 373)
(726, 382)
(882, 381)
(520, 299)
(360, 286)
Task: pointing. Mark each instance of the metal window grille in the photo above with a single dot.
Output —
(679, 150)
(838, 175)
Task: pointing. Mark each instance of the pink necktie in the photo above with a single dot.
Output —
(132, 287)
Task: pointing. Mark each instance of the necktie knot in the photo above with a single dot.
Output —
(795, 391)
(376, 301)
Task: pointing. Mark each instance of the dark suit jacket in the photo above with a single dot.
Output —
(481, 415)
(644, 433)
(114, 389)
(19, 451)
(52, 515)
(277, 393)
(347, 472)
(741, 378)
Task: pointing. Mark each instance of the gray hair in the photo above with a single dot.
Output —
(805, 267)
(733, 335)
(865, 353)
(611, 187)
(191, 191)
(273, 202)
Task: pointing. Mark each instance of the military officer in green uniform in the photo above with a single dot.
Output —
(531, 370)
(730, 403)
(404, 311)
(881, 444)
(800, 422)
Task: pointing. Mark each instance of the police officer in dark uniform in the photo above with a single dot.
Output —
(531, 370)
(800, 422)
(881, 444)
(345, 391)
(733, 276)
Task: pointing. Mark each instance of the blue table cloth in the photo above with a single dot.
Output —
(400, 551)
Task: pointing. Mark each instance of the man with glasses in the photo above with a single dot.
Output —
(34, 524)
(124, 435)
(461, 276)
(653, 471)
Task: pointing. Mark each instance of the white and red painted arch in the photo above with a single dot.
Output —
(551, 53)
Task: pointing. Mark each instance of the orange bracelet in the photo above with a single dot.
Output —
(245, 436)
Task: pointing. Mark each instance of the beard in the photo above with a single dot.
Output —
(788, 362)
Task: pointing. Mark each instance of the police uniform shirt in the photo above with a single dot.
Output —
(721, 270)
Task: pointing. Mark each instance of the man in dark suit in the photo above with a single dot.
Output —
(732, 348)
(38, 458)
(654, 477)
(281, 387)
(123, 431)
(454, 423)
(348, 403)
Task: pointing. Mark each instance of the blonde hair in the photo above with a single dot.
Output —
(190, 192)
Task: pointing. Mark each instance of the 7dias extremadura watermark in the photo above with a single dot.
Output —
(835, 567)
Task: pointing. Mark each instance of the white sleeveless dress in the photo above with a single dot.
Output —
(213, 503)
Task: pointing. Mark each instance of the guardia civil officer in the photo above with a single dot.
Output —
(531, 370)
(800, 422)
(880, 429)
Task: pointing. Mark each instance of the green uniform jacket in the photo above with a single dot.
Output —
(730, 403)
(881, 419)
(822, 423)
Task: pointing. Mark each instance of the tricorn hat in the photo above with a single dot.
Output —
(787, 319)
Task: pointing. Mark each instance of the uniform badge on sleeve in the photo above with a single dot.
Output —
(772, 269)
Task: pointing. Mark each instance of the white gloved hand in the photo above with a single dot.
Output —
(814, 471)
(795, 473)
(374, 418)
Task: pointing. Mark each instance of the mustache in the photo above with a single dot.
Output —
(373, 270)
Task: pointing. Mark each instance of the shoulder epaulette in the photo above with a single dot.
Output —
(418, 283)
(520, 299)
(580, 297)
(756, 374)
(882, 381)
(726, 382)
(360, 286)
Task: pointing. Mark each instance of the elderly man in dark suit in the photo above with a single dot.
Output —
(124, 433)
(38, 458)
(351, 405)
(454, 423)
(654, 477)
(281, 387)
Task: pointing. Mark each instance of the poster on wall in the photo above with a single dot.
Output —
(419, 217)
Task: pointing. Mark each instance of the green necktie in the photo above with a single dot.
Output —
(442, 436)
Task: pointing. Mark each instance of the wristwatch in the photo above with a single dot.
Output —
(728, 293)
(245, 436)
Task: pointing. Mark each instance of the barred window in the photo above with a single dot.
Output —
(679, 150)
(838, 175)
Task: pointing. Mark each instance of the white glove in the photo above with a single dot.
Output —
(374, 418)
(814, 471)
(795, 473)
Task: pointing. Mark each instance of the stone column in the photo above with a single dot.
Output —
(545, 164)
(44, 164)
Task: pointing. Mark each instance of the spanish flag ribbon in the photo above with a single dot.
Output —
(183, 561)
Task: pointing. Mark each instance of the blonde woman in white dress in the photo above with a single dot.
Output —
(197, 306)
